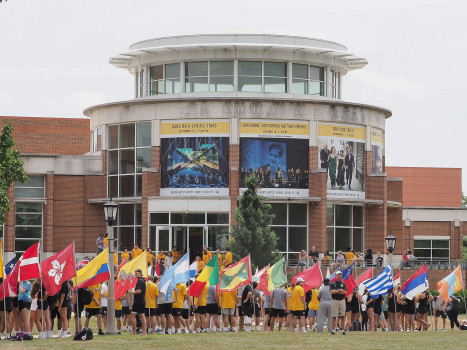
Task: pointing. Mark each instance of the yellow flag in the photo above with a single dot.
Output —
(126, 276)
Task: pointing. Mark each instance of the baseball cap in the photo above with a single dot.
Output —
(300, 279)
(339, 273)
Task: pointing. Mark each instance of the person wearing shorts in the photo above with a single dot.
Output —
(279, 297)
(228, 301)
(24, 305)
(180, 294)
(200, 310)
(94, 308)
(139, 303)
(152, 293)
(313, 306)
(212, 308)
(439, 312)
(298, 305)
(267, 312)
(165, 310)
(126, 301)
(338, 291)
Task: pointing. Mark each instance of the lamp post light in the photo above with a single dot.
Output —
(390, 244)
(110, 212)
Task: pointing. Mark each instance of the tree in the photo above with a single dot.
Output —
(252, 234)
(464, 248)
(11, 168)
(464, 200)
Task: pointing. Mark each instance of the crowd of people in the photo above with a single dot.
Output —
(144, 310)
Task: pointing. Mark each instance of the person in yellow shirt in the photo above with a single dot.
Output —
(200, 309)
(152, 293)
(106, 240)
(150, 257)
(125, 255)
(200, 264)
(313, 306)
(207, 255)
(219, 257)
(115, 260)
(118, 309)
(160, 256)
(298, 305)
(176, 254)
(179, 294)
(136, 251)
(94, 308)
(228, 304)
(349, 256)
(228, 257)
(289, 319)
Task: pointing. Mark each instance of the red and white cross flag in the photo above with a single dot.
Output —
(28, 264)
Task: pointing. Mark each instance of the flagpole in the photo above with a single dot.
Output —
(42, 293)
(77, 294)
(463, 288)
(3, 284)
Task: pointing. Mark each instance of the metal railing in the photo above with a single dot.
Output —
(398, 264)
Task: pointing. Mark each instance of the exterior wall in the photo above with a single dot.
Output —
(429, 187)
(66, 136)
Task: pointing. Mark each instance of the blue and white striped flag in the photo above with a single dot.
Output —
(380, 284)
(179, 273)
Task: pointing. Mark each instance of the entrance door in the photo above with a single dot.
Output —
(196, 241)
(161, 240)
(179, 238)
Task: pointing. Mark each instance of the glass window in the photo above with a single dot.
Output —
(330, 215)
(178, 218)
(172, 70)
(249, 68)
(126, 214)
(249, 84)
(196, 69)
(28, 222)
(343, 215)
(218, 237)
(96, 139)
(280, 213)
(127, 161)
(113, 136)
(250, 76)
(299, 71)
(275, 69)
(218, 218)
(143, 159)
(33, 188)
(221, 84)
(143, 134)
(275, 84)
(221, 68)
(127, 186)
(127, 135)
(440, 243)
(126, 238)
(25, 207)
(28, 232)
(436, 249)
(343, 238)
(358, 216)
(422, 244)
(281, 233)
(159, 218)
(297, 214)
(297, 239)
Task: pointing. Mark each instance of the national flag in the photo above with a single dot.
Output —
(450, 284)
(96, 271)
(333, 275)
(10, 266)
(29, 269)
(193, 270)
(364, 276)
(126, 278)
(209, 275)
(350, 284)
(380, 284)
(57, 269)
(121, 264)
(83, 263)
(416, 284)
(345, 274)
(257, 276)
(178, 273)
(312, 276)
(236, 275)
(397, 279)
(158, 268)
(276, 276)
(29, 264)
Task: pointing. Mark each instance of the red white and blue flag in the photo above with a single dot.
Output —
(416, 284)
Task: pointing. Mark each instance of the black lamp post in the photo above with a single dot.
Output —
(390, 244)
(110, 212)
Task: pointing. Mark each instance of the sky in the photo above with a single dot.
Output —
(54, 57)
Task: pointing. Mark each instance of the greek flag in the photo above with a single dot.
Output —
(380, 284)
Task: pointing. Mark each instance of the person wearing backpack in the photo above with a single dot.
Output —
(453, 307)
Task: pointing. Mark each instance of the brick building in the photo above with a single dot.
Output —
(208, 111)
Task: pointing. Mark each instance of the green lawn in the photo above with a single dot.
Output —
(258, 340)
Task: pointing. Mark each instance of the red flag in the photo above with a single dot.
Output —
(365, 276)
(121, 264)
(312, 276)
(158, 268)
(29, 264)
(26, 268)
(263, 284)
(57, 269)
(350, 284)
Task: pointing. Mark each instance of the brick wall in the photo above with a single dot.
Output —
(317, 211)
(376, 214)
(69, 136)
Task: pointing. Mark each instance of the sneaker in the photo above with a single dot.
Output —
(333, 332)
(100, 332)
(435, 329)
(344, 332)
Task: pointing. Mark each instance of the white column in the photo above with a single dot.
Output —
(328, 82)
(289, 77)
(145, 81)
(339, 86)
(182, 76)
(235, 82)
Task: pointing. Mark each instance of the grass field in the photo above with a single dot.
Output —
(258, 340)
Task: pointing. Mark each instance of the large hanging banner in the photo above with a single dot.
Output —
(195, 158)
(277, 154)
(342, 153)
(377, 150)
